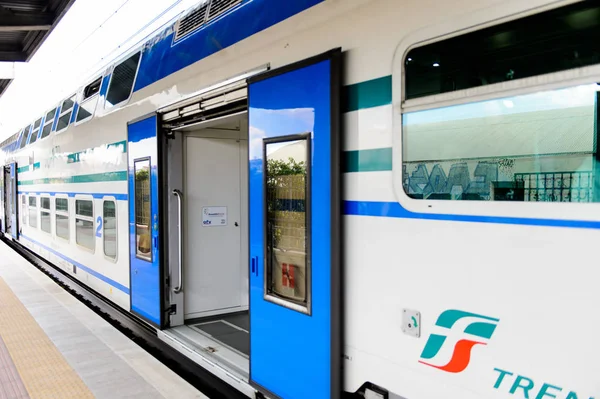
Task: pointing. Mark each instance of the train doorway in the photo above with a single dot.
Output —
(251, 205)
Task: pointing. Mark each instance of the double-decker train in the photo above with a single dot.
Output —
(338, 198)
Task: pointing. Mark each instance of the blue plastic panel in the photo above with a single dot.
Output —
(13, 205)
(290, 352)
(145, 276)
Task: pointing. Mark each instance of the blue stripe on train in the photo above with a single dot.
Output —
(86, 269)
(395, 210)
(163, 58)
(118, 197)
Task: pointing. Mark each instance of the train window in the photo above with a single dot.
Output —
(122, 80)
(84, 224)
(65, 113)
(33, 211)
(287, 193)
(24, 209)
(109, 214)
(34, 131)
(143, 209)
(24, 137)
(48, 122)
(62, 218)
(89, 100)
(45, 218)
(534, 147)
(551, 41)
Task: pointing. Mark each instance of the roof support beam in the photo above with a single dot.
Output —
(13, 56)
(25, 21)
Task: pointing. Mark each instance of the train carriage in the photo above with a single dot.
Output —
(338, 198)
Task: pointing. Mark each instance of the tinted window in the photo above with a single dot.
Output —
(551, 41)
(109, 212)
(33, 211)
(287, 219)
(62, 218)
(143, 209)
(86, 109)
(122, 80)
(84, 224)
(92, 88)
(45, 218)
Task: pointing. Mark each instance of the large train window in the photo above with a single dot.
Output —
(34, 131)
(143, 209)
(287, 193)
(84, 224)
(121, 82)
(24, 209)
(23, 138)
(89, 100)
(33, 211)
(109, 216)
(539, 146)
(65, 113)
(48, 122)
(63, 229)
(45, 217)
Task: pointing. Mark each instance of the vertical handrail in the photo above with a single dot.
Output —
(179, 287)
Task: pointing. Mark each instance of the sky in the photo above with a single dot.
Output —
(89, 35)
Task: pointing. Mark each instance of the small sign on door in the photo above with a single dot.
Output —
(213, 216)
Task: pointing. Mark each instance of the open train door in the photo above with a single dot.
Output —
(10, 205)
(295, 304)
(145, 265)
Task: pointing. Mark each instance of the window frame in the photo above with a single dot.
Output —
(112, 74)
(455, 27)
(35, 210)
(301, 307)
(37, 130)
(48, 122)
(24, 210)
(66, 213)
(148, 159)
(44, 210)
(85, 218)
(114, 201)
(61, 112)
(84, 100)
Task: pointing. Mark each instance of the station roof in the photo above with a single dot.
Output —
(24, 26)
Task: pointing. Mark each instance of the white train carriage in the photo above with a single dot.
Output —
(327, 198)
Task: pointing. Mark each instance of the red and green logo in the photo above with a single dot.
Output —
(479, 330)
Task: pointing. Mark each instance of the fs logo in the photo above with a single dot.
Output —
(461, 356)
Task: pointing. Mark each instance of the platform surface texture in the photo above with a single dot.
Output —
(53, 346)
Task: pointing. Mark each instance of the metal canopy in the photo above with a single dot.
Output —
(24, 25)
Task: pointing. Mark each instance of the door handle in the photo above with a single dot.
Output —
(179, 287)
(254, 263)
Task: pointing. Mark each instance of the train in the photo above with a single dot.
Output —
(338, 198)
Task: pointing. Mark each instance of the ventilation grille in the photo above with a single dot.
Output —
(202, 15)
(218, 7)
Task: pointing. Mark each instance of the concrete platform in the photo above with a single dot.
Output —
(53, 346)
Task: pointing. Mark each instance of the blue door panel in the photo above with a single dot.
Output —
(145, 276)
(13, 206)
(290, 351)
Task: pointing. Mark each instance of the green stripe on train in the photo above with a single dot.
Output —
(375, 160)
(369, 94)
(23, 169)
(93, 178)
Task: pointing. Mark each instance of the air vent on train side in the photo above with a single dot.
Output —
(218, 7)
(208, 11)
(192, 21)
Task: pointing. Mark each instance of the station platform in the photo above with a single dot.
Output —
(53, 346)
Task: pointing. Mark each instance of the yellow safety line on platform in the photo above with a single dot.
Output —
(43, 369)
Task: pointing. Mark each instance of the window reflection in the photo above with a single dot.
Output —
(110, 229)
(287, 226)
(143, 209)
(536, 147)
(84, 224)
